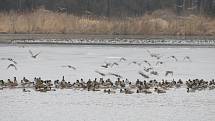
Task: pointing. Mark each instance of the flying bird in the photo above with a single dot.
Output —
(122, 59)
(147, 69)
(116, 75)
(173, 58)
(187, 58)
(159, 62)
(145, 61)
(153, 55)
(169, 72)
(102, 74)
(12, 65)
(143, 75)
(9, 59)
(69, 66)
(33, 55)
(154, 72)
(106, 65)
(135, 62)
(115, 63)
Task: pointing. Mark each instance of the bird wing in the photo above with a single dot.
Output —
(104, 66)
(116, 75)
(12, 65)
(73, 67)
(100, 73)
(13, 61)
(37, 54)
(122, 59)
(142, 74)
(31, 53)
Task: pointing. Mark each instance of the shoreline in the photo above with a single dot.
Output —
(107, 39)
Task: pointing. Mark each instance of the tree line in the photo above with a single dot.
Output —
(111, 7)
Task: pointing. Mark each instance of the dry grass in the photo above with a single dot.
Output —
(157, 23)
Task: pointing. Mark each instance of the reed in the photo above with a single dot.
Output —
(156, 23)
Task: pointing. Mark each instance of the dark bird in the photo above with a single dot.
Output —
(143, 75)
(33, 55)
(9, 59)
(147, 69)
(102, 74)
(169, 72)
(106, 65)
(145, 61)
(159, 62)
(12, 65)
(122, 59)
(69, 66)
(173, 58)
(187, 58)
(116, 75)
(154, 72)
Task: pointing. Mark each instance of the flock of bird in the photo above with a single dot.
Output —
(147, 70)
(148, 67)
(108, 86)
(13, 63)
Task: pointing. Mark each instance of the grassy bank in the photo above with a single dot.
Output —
(156, 23)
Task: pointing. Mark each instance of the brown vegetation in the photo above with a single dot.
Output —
(157, 23)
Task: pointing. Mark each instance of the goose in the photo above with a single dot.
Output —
(159, 90)
(12, 65)
(142, 74)
(147, 69)
(159, 62)
(173, 57)
(69, 66)
(122, 59)
(145, 61)
(24, 90)
(106, 65)
(153, 54)
(187, 58)
(102, 74)
(33, 55)
(168, 72)
(116, 75)
(9, 59)
(154, 73)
